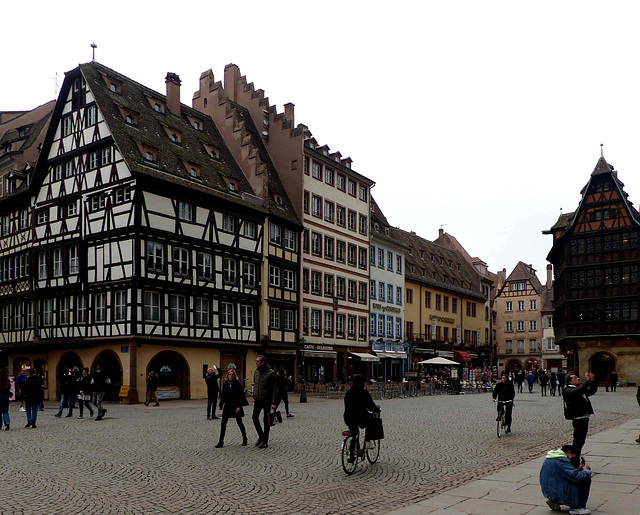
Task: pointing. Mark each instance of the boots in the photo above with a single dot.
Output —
(244, 442)
(218, 445)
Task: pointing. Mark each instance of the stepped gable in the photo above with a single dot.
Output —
(428, 263)
(524, 272)
(279, 203)
(152, 130)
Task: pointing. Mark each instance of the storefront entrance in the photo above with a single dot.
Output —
(602, 364)
(112, 369)
(173, 375)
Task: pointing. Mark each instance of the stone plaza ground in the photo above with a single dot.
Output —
(142, 460)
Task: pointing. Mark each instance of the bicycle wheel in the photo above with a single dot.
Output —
(373, 454)
(349, 468)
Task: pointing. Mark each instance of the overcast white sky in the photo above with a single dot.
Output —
(484, 117)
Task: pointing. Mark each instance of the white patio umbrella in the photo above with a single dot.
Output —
(438, 361)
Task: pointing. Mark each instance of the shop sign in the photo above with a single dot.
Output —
(310, 346)
(168, 392)
(442, 319)
(124, 349)
(384, 309)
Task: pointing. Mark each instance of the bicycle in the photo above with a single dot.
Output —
(502, 416)
(350, 459)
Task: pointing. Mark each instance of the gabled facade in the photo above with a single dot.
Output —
(552, 358)
(596, 258)
(333, 202)
(444, 304)
(386, 293)
(147, 242)
(518, 324)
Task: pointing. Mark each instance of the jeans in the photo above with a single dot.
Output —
(67, 399)
(4, 408)
(97, 401)
(32, 412)
(263, 434)
(211, 401)
(87, 405)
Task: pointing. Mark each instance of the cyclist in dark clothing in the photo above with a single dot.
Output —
(357, 404)
(505, 392)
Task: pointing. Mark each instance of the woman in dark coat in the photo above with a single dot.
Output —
(5, 394)
(32, 397)
(84, 392)
(232, 400)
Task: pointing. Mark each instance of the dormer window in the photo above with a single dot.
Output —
(157, 108)
(149, 153)
(193, 172)
(174, 138)
(129, 119)
(212, 152)
(113, 87)
(278, 199)
(148, 156)
(196, 125)
(232, 186)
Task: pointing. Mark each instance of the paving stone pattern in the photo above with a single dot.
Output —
(143, 460)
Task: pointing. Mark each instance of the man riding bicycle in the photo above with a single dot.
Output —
(357, 404)
(504, 392)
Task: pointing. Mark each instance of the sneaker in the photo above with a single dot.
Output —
(218, 445)
(98, 418)
(23, 409)
(579, 511)
(553, 504)
(58, 415)
(103, 412)
(263, 445)
(68, 415)
(28, 425)
(146, 403)
(258, 443)
(369, 445)
(208, 418)
(79, 416)
(289, 415)
(508, 430)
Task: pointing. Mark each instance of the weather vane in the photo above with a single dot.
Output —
(94, 46)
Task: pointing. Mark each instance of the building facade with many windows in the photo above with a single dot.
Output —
(596, 258)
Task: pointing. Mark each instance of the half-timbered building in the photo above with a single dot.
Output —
(518, 322)
(595, 256)
(147, 241)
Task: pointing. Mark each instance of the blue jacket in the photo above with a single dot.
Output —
(559, 478)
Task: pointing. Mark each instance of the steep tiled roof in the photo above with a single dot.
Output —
(380, 228)
(428, 263)
(524, 272)
(151, 130)
(602, 167)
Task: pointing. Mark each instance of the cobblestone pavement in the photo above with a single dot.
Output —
(143, 460)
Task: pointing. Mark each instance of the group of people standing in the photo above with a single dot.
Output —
(548, 382)
(86, 388)
(30, 393)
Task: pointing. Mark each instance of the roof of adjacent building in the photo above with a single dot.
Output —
(431, 265)
(524, 272)
(380, 228)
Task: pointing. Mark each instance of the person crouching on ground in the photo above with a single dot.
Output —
(564, 484)
(232, 400)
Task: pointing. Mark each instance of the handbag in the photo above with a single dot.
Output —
(274, 418)
(374, 430)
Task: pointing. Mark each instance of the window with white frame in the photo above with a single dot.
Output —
(275, 232)
(316, 170)
(362, 258)
(351, 254)
(180, 261)
(316, 206)
(185, 211)
(289, 239)
(340, 216)
(328, 285)
(372, 288)
(6, 317)
(63, 310)
(246, 317)
(204, 265)
(328, 211)
(120, 305)
(177, 309)
(105, 156)
(363, 193)
(381, 258)
(151, 306)
(533, 304)
(226, 313)
(155, 256)
(533, 345)
(229, 271)
(398, 327)
(316, 243)
(100, 308)
(362, 224)
(274, 276)
(508, 327)
(351, 220)
(328, 247)
(381, 291)
(328, 323)
(362, 293)
(381, 319)
(362, 328)
(288, 320)
(372, 324)
(398, 263)
(520, 346)
(249, 229)
(389, 292)
(249, 274)
(24, 219)
(229, 223)
(57, 262)
(533, 325)
(508, 346)
(202, 310)
(328, 176)
(551, 344)
(521, 305)
(289, 282)
(316, 277)
(399, 295)
(352, 291)
(520, 324)
(315, 322)
(340, 182)
(18, 320)
(67, 126)
(340, 326)
(81, 309)
(340, 251)
(509, 305)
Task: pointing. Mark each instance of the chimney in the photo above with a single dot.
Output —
(288, 113)
(231, 78)
(173, 93)
(549, 275)
(440, 232)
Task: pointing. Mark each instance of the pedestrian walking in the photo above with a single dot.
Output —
(99, 382)
(607, 382)
(530, 379)
(561, 378)
(520, 379)
(32, 397)
(265, 395)
(283, 395)
(232, 402)
(84, 392)
(564, 484)
(20, 380)
(211, 380)
(577, 406)
(68, 391)
(553, 384)
(614, 381)
(152, 387)
(544, 381)
(5, 395)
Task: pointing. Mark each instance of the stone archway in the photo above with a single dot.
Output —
(112, 369)
(532, 364)
(73, 362)
(513, 365)
(602, 363)
(174, 376)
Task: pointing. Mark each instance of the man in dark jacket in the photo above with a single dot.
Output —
(68, 391)
(211, 379)
(577, 406)
(564, 484)
(265, 395)
(505, 392)
(544, 381)
(99, 381)
(357, 404)
(152, 387)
